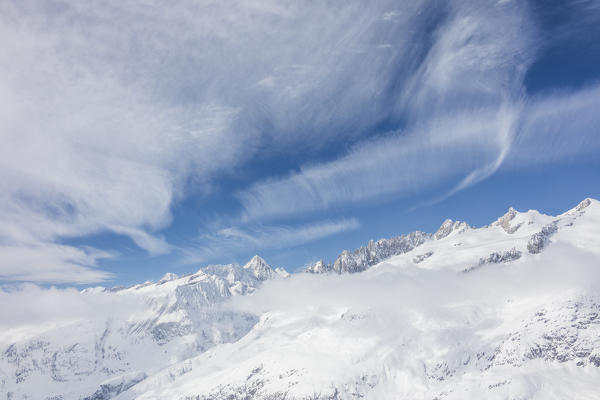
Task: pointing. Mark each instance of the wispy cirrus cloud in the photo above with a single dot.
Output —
(558, 125)
(235, 239)
(467, 115)
(462, 104)
(399, 165)
(463, 149)
(110, 112)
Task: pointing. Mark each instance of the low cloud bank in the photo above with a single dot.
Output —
(560, 269)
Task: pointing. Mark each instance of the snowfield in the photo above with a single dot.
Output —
(506, 311)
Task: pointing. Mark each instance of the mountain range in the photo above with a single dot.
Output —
(510, 310)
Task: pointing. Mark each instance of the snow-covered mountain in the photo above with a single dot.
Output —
(152, 326)
(375, 252)
(456, 244)
(508, 311)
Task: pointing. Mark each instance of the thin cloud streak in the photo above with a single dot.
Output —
(235, 240)
(467, 149)
(558, 126)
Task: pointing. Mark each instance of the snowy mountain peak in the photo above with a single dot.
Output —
(505, 221)
(169, 276)
(318, 268)
(508, 216)
(448, 227)
(259, 267)
(584, 204)
(372, 254)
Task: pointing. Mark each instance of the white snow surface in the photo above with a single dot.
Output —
(506, 311)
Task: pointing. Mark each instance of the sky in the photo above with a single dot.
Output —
(141, 137)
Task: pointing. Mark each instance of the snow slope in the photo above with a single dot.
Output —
(126, 334)
(506, 311)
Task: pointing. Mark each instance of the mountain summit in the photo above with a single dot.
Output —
(259, 268)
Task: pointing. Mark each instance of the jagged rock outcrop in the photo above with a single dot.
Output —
(497, 258)
(421, 257)
(115, 386)
(371, 254)
(319, 268)
(505, 221)
(375, 252)
(584, 204)
(541, 239)
(449, 226)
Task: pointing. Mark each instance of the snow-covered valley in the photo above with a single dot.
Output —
(507, 311)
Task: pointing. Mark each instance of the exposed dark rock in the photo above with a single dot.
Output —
(585, 203)
(497, 258)
(505, 220)
(319, 268)
(538, 241)
(420, 257)
(375, 252)
(116, 386)
(367, 256)
(449, 226)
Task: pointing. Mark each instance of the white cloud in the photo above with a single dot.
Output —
(107, 112)
(558, 126)
(236, 239)
(84, 150)
(49, 262)
(465, 148)
(467, 115)
(560, 269)
(462, 105)
(28, 310)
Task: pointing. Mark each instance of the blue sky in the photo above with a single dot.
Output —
(146, 137)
